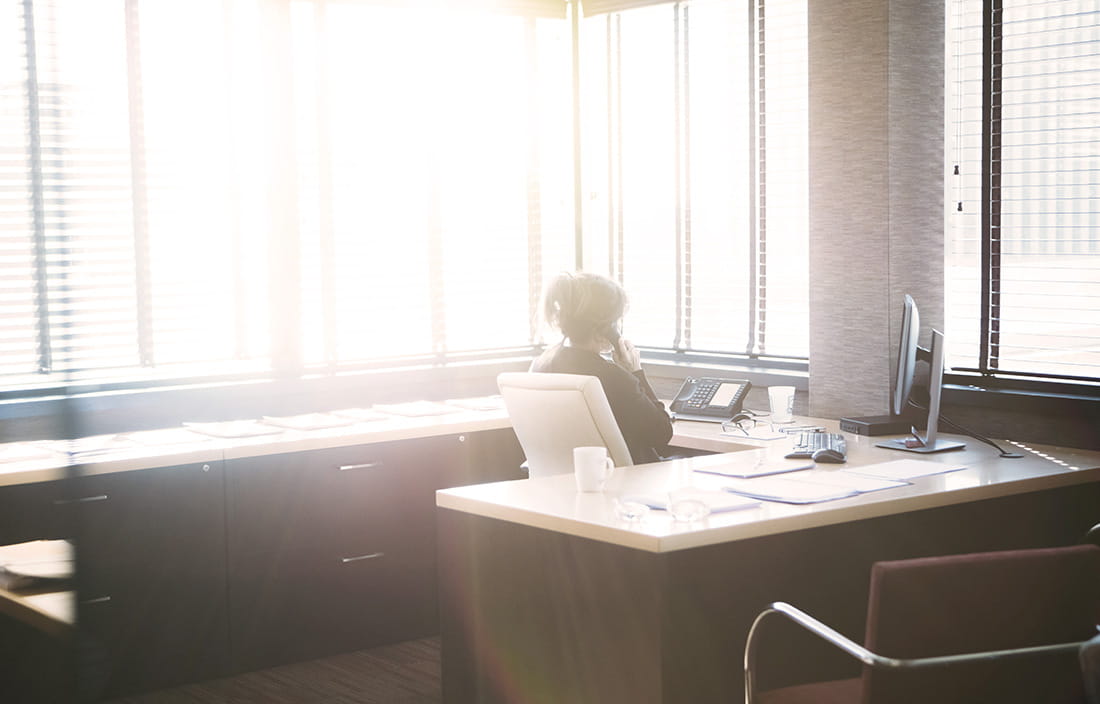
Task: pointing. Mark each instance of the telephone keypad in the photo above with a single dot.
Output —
(703, 393)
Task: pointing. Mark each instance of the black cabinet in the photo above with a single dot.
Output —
(151, 588)
(333, 550)
(189, 572)
(32, 512)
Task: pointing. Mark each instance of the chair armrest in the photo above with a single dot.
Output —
(869, 658)
(1089, 656)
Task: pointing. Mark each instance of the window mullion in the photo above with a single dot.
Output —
(615, 202)
(534, 193)
(325, 225)
(756, 175)
(989, 347)
(139, 186)
(38, 207)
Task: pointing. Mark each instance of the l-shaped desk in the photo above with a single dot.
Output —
(547, 595)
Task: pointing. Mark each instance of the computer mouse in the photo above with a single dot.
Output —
(826, 455)
(740, 416)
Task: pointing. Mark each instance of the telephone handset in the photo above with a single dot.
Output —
(710, 399)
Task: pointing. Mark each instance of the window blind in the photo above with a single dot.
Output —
(122, 232)
(1023, 289)
(699, 112)
(435, 158)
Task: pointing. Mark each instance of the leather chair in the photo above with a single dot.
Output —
(553, 413)
(1010, 626)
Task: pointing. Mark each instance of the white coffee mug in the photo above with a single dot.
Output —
(592, 467)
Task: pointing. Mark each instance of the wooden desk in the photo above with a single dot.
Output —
(547, 596)
(48, 607)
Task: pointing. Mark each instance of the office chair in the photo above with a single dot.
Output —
(1010, 626)
(553, 413)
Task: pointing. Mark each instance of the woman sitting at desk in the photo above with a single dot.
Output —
(588, 309)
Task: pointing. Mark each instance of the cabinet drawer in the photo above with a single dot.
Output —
(152, 626)
(332, 499)
(169, 514)
(298, 605)
(31, 512)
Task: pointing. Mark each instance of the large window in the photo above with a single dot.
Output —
(128, 240)
(215, 188)
(682, 161)
(1023, 217)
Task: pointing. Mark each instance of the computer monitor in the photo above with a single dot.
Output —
(908, 354)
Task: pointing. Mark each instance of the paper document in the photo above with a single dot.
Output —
(811, 486)
(788, 490)
(417, 408)
(845, 479)
(308, 421)
(717, 500)
(360, 415)
(92, 445)
(905, 470)
(167, 436)
(233, 429)
(749, 463)
(485, 403)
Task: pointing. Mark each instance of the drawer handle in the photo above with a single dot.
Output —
(371, 556)
(99, 600)
(365, 465)
(84, 500)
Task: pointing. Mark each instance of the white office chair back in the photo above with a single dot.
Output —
(553, 413)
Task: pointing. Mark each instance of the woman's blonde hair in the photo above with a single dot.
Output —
(582, 305)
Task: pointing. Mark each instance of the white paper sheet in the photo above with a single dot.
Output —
(905, 470)
(788, 491)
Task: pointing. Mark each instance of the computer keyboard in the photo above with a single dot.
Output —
(821, 447)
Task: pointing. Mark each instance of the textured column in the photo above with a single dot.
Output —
(876, 191)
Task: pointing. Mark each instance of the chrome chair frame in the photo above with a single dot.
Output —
(872, 659)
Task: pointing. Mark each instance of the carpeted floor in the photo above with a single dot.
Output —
(406, 673)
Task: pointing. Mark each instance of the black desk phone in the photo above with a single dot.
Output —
(710, 399)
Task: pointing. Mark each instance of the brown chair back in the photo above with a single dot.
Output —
(980, 602)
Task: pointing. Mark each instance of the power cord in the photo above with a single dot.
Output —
(970, 433)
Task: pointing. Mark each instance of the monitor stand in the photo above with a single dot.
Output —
(930, 442)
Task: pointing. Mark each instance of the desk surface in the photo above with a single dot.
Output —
(38, 461)
(49, 607)
(553, 503)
